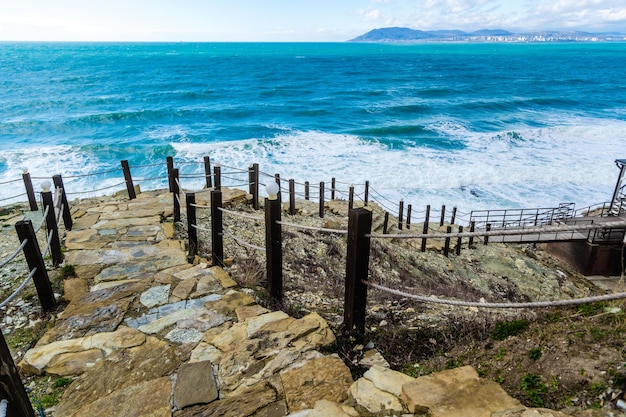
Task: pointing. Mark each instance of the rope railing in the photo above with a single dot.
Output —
(147, 165)
(242, 242)
(19, 289)
(96, 189)
(91, 174)
(11, 198)
(10, 181)
(13, 255)
(43, 219)
(313, 228)
(238, 214)
(531, 304)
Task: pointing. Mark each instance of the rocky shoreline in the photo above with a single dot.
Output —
(314, 270)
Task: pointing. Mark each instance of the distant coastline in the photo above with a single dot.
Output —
(400, 34)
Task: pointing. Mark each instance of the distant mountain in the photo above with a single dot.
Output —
(399, 34)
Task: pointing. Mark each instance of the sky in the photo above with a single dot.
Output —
(290, 20)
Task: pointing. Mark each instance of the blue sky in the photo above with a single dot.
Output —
(290, 20)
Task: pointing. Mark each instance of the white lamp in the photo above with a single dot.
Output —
(45, 185)
(272, 190)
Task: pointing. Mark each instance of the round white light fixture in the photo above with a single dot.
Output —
(45, 185)
(272, 190)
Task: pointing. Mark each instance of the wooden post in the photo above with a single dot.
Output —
(67, 214)
(11, 386)
(217, 174)
(306, 190)
(332, 188)
(32, 253)
(176, 194)
(470, 242)
(207, 172)
(255, 187)
(443, 215)
(453, 218)
(400, 215)
(217, 233)
(292, 197)
(367, 192)
(322, 196)
(192, 232)
(30, 192)
(51, 227)
(351, 198)
(386, 223)
(459, 242)
(357, 270)
(425, 228)
(409, 209)
(250, 179)
(170, 167)
(446, 246)
(274, 249)
(486, 241)
(129, 180)
(277, 179)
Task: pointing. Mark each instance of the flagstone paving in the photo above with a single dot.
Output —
(145, 333)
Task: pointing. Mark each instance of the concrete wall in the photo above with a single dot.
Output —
(586, 258)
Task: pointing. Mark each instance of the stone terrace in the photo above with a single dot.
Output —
(145, 333)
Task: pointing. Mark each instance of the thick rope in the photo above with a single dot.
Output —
(14, 254)
(19, 289)
(242, 215)
(243, 242)
(317, 229)
(535, 304)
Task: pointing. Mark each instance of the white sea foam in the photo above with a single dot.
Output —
(571, 161)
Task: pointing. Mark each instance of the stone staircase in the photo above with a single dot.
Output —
(145, 333)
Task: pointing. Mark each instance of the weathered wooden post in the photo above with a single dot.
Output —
(307, 190)
(366, 192)
(11, 386)
(400, 214)
(51, 224)
(67, 214)
(332, 188)
(292, 197)
(453, 218)
(486, 241)
(470, 241)
(176, 194)
(322, 196)
(30, 192)
(273, 243)
(357, 270)
(129, 180)
(443, 215)
(255, 186)
(425, 228)
(170, 167)
(351, 197)
(207, 172)
(277, 180)
(192, 232)
(217, 176)
(409, 209)
(34, 260)
(459, 242)
(386, 223)
(446, 246)
(217, 232)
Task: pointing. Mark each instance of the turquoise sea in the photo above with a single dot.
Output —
(470, 125)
